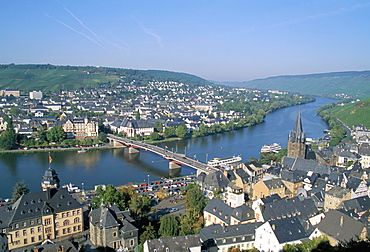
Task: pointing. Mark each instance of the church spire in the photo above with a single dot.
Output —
(297, 135)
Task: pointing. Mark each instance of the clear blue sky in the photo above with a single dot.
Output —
(228, 40)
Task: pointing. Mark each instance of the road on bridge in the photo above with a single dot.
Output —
(169, 155)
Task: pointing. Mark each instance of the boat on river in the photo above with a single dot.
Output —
(227, 162)
(275, 147)
(82, 150)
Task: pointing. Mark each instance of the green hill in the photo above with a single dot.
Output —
(54, 78)
(349, 83)
(354, 113)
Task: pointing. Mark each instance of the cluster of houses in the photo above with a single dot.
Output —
(170, 102)
(310, 194)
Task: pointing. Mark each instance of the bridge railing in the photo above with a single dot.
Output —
(181, 158)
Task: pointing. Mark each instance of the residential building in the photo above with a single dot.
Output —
(340, 227)
(37, 216)
(113, 228)
(37, 95)
(80, 127)
(335, 196)
(218, 212)
(268, 187)
(190, 243)
(273, 235)
(220, 238)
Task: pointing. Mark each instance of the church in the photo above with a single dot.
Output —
(37, 216)
(297, 147)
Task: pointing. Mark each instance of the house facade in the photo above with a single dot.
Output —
(37, 216)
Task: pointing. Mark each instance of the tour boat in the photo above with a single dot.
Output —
(275, 147)
(224, 162)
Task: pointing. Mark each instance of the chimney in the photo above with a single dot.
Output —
(273, 226)
(341, 221)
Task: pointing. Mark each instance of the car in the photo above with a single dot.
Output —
(174, 209)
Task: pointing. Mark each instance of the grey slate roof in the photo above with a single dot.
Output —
(215, 180)
(305, 165)
(36, 204)
(179, 243)
(353, 183)
(289, 207)
(291, 229)
(218, 234)
(224, 211)
(360, 204)
(340, 226)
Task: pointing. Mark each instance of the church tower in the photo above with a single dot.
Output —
(297, 140)
(50, 178)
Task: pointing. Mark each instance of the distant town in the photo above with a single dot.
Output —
(316, 194)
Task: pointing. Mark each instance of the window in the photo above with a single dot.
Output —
(32, 230)
(25, 241)
(76, 220)
(17, 234)
(74, 213)
(48, 230)
(17, 225)
(24, 224)
(132, 242)
(24, 232)
(56, 216)
(47, 221)
(69, 230)
(40, 237)
(66, 223)
(114, 234)
(32, 239)
(39, 229)
(56, 224)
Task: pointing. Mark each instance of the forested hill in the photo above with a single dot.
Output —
(350, 83)
(54, 78)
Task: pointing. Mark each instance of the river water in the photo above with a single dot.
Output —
(118, 167)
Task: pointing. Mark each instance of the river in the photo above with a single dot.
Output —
(118, 167)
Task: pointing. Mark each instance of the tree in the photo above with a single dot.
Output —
(102, 137)
(56, 134)
(8, 138)
(14, 110)
(169, 132)
(139, 206)
(148, 234)
(182, 131)
(137, 116)
(158, 126)
(155, 136)
(169, 226)
(19, 189)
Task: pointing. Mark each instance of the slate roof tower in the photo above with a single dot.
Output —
(297, 140)
(50, 178)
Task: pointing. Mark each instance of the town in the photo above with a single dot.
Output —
(312, 194)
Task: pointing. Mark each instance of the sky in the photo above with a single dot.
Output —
(218, 40)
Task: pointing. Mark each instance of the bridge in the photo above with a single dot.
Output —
(176, 159)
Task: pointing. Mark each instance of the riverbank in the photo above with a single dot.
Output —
(57, 148)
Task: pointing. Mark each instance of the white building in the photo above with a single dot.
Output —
(37, 95)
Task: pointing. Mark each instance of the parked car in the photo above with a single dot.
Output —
(174, 209)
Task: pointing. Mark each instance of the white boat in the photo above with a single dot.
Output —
(275, 147)
(82, 150)
(72, 188)
(224, 162)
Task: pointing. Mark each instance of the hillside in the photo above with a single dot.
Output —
(349, 83)
(354, 113)
(54, 78)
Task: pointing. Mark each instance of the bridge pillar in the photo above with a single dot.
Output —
(173, 165)
(132, 150)
(118, 144)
